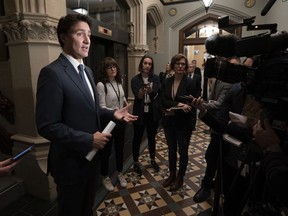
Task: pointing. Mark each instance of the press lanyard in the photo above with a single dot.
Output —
(117, 94)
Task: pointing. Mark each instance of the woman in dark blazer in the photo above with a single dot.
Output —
(145, 87)
(178, 118)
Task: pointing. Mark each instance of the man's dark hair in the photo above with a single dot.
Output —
(66, 23)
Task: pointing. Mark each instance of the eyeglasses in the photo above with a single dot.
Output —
(111, 67)
(180, 64)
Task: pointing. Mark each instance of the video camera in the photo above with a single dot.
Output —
(267, 79)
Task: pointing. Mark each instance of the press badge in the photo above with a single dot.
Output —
(146, 108)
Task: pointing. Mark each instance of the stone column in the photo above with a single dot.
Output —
(30, 27)
(138, 45)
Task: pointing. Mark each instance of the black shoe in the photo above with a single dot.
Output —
(137, 169)
(202, 195)
(177, 183)
(170, 180)
(155, 166)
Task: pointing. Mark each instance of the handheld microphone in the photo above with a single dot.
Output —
(267, 7)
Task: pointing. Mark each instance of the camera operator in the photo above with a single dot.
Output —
(236, 101)
(275, 162)
(216, 98)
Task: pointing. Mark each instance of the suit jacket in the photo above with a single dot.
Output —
(233, 101)
(187, 86)
(198, 71)
(198, 80)
(217, 96)
(68, 117)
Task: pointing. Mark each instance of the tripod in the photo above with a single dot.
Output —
(217, 209)
(218, 205)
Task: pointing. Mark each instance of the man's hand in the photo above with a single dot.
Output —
(266, 137)
(100, 139)
(198, 104)
(124, 115)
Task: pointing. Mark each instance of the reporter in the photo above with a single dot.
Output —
(219, 90)
(145, 88)
(111, 96)
(178, 119)
(236, 101)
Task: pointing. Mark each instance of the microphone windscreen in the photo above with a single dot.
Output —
(221, 45)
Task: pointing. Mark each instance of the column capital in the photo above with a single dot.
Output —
(137, 49)
(30, 28)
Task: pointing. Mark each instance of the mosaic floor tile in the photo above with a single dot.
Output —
(145, 195)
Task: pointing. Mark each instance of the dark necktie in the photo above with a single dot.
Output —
(81, 73)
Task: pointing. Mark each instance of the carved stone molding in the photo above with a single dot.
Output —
(137, 49)
(156, 39)
(26, 30)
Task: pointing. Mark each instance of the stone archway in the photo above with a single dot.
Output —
(183, 40)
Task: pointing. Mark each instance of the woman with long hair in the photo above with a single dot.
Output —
(112, 96)
(145, 87)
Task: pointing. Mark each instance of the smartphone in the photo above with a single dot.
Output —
(21, 154)
(186, 97)
(146, 85)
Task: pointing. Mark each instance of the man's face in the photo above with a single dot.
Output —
(194, 63)
(190, 68)
(77, 41)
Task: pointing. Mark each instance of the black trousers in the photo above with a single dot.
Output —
(211, 157)
(118, 138)
(151, 128)
(77, 199)
(177, 139)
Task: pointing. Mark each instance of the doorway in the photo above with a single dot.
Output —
(192, 42)
(193, 36)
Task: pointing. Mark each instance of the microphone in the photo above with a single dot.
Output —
(267, 7)
(221, 45)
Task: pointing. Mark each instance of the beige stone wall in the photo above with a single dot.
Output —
(30, 29)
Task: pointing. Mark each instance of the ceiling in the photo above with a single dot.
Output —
(92, 5)
(101, 4)
(170, 2)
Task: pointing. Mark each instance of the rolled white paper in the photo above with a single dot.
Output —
(108, 129)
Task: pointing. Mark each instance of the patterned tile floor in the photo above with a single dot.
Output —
(145, 195)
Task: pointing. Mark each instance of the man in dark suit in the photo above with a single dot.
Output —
(68, 115)
(192, 75)
(197, 70)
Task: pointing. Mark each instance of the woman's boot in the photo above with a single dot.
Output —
(177, 183)
(170, 180)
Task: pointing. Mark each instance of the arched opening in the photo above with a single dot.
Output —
(192, 37)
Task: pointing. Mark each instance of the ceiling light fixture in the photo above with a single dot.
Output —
(207, 4)
(81, 11)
